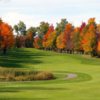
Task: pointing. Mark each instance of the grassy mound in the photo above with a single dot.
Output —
(11, 74)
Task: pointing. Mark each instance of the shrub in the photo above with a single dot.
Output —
(21, 78)
(11, 74)
(10, 77)
(44, 76)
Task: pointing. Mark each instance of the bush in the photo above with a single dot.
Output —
(8, 74)
(44, 76)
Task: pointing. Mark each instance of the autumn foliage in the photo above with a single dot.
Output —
(61, 41)
(64, 40)
(89, 39)
(46, 39)
(37, 42)
(6, 36)
(65, 37)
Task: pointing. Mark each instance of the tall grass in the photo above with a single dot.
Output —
(13, 74)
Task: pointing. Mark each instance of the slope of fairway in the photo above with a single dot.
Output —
(85, 87)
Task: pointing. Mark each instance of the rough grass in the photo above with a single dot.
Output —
(14, 74)
(85, 87)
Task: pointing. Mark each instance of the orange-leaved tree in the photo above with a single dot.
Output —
(89, 39)
(68, 35)
(64, 40)
(78, 38)
(46, 41)
(37, 42)
(61, 41)
(6, 36)
(98, 39)
(51, 40)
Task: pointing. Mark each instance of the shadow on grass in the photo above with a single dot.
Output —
(8, 90)
(23, 98)
(18, 89)
(17, 57)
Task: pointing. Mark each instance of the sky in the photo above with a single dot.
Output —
(32, 12)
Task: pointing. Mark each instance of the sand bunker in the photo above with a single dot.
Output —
(71, 76)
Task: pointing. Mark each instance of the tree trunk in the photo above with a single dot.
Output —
(4, 50)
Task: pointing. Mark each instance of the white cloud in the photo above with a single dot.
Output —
(34, 20)
(32, 12)
(30, 20)
(14, 17)
(48, 2)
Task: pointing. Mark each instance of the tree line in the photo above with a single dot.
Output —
(65, 37)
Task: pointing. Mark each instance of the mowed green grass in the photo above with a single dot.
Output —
(85, 87)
